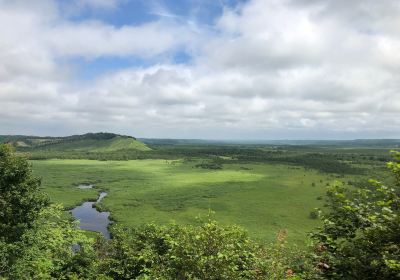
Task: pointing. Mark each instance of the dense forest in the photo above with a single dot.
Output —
(358, 237)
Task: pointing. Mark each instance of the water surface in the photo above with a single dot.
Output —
(91, 219)
(85, 186)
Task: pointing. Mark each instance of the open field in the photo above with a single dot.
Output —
(264, 188)
(261, 197)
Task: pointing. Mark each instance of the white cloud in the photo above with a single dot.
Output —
(96, 39)
(270, 69)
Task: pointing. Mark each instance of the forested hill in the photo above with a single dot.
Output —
(89, 142)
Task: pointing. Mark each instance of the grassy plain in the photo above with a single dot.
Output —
(262, 197)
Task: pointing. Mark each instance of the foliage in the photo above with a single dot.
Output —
(360, 236)
(178, 252)
(36, 241)
(314, 214)
(20, 197)
(278, 261)
(209, 165)
(207, 251)
(53, 249)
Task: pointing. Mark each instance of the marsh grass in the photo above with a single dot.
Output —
(263, 198)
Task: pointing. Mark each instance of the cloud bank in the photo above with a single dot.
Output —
(259, 70)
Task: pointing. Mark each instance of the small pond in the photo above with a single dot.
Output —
(85, 186)
(91, 219)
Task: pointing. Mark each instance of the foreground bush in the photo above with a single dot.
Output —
(49, 250)
(36, 241)
(21, 199)
(208, 251)
(360, 236)
(181, 252)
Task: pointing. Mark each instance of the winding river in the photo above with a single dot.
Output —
(92, 219)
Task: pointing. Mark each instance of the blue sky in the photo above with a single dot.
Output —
(134, 12)
(138, 12)
(213, 69)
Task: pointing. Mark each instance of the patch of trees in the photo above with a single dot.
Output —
(318, 161)
(214, 163)
(324, 163)
(209, 165)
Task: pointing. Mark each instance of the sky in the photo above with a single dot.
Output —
(206, 69)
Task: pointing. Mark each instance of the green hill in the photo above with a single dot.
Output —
(89, 142)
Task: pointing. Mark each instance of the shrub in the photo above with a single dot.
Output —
(314, 214)
(360, 236)
(209, 165)
(207, 251)
(180, 252)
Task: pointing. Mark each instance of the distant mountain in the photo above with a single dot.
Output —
(89, 142)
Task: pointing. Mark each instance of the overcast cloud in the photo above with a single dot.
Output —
(261, 69)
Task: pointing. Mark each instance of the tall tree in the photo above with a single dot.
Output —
(36, 241)
(20, 197)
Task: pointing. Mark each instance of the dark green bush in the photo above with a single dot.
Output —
(208, 251)
(181, 252)
(314, 214)
(209, 165)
